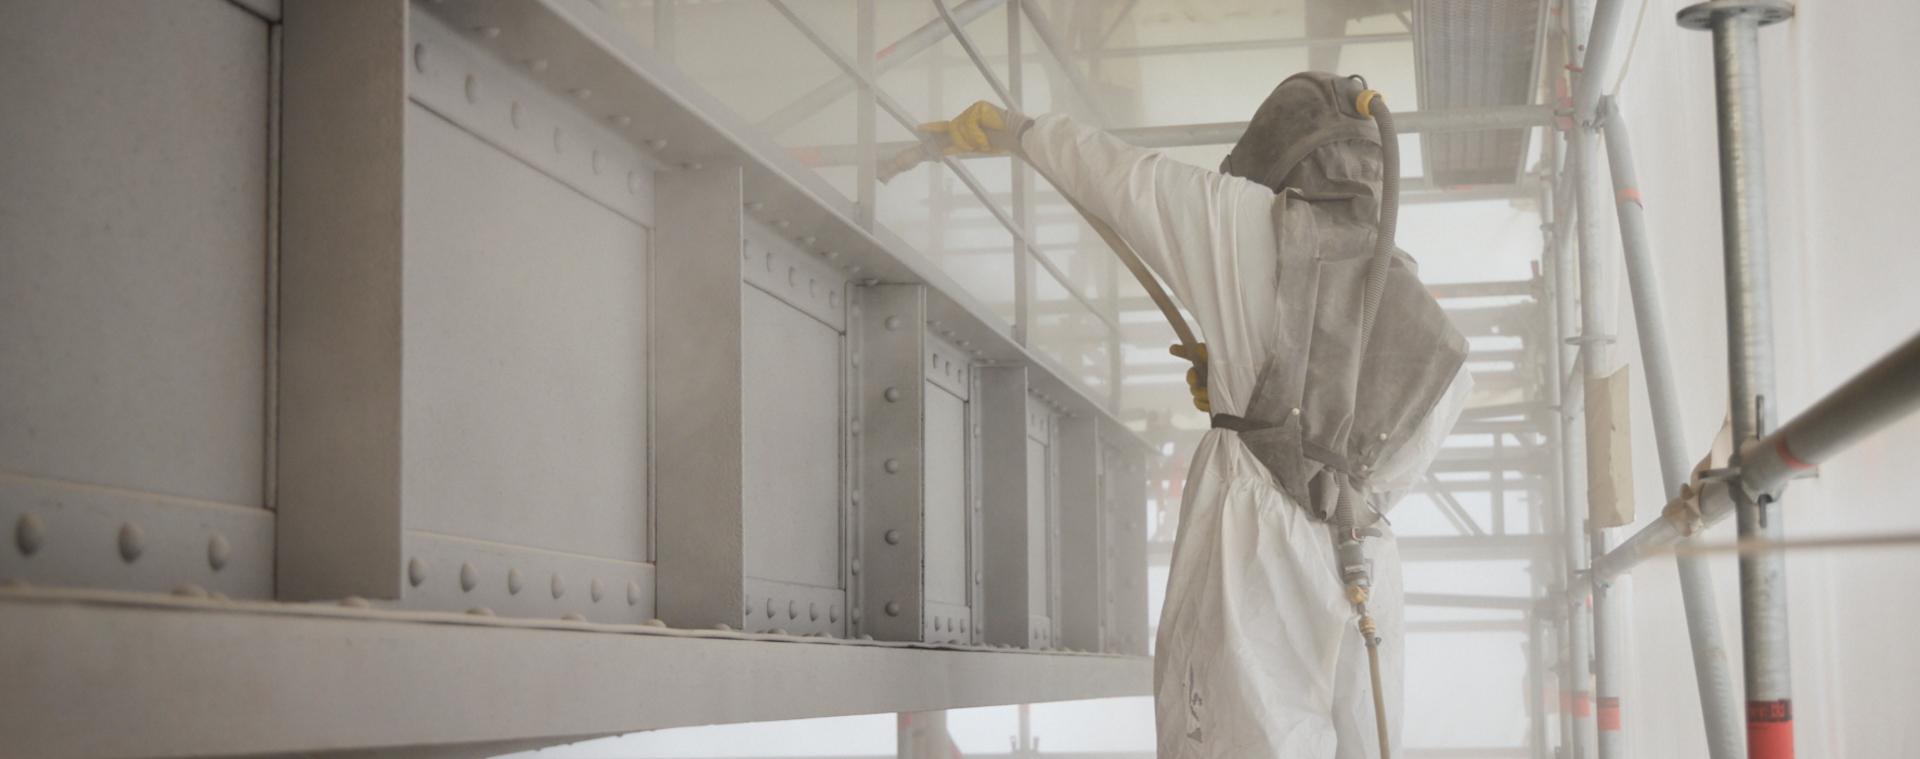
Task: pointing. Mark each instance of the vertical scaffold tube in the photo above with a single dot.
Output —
(1710, 669)
(1595, 363)
(1572, 392)
(1763, 590)
(1557, 573)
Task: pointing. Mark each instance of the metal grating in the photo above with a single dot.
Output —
(1476, 54)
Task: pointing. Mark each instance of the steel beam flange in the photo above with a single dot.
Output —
(1700, 15)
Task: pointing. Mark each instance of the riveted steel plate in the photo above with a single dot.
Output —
(502, 106)
(794, 608)
(64, 534)
(891, 461)
(947, 366)
(457, 574)
(802, 281)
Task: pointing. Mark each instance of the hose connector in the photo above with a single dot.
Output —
(1364, 103)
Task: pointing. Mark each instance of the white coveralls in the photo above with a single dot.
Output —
(1258, 652)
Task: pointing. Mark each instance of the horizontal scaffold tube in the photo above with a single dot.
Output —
(1885, 393)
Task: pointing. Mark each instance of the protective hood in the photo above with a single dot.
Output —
(1307, 111)
(1324, 404)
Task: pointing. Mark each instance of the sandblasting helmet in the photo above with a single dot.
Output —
(1308, 111)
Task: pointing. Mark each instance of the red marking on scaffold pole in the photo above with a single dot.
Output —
(1788, 457)
(1628, 193)
(1582, 705)
(1609, 713)
(1566, 701)
(1770, 729)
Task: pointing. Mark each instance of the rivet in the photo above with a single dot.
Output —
(537, 64)
(936, 624)
(782, 223)
(793, 276)
(851, 269)
(469, 578)
(892, 466)
(893, 537)
(723, 627)
(1383, 436)
(1296, 412)
(654, 623)
(934, 323)
(420, 58)
(864, 636)
(978, 353)
(856, 565)
(133, 541)
(219, 596)
(976, 430)
(657, 144)
(622, 120)
(473, 89)
(574, 617)
(746, 607)
(854, 497)
(892, 323)
(513, 582)
(855, 614)
(219, 551)
(582, 93)
(513, 114)
(806, 240)
(416, 571)
(355, 602)
(793, 609)
(29, 533)
(769, 608)
(189, 591)
(833, 299)
(480, 611)
(633, 183)
(963, 625)
(558, 136)
(948, 334)
(489, 32)
(831, 254)
(892, 394)
(558, 585)
(893, 608)
(813, 288)
(777, 631)
(856, 354)
(596, 590)
(769, 261)
(979, 577)
(833, 614)
(594, 162)
(633, 593)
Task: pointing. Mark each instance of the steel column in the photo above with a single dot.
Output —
(1696, 578)
(1736, 62)
(1564, 396)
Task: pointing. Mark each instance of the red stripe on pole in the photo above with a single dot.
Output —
(1609, 713)
(1582, 706)
(1566, 701)
(1770, 729)
(1628, 193)
(1787, 456)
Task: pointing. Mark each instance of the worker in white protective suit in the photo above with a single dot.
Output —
(1258, 654)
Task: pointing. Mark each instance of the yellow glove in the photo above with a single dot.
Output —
(1194, 385)
(968, 131)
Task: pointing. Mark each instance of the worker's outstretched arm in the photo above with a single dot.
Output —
(1186, 223)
